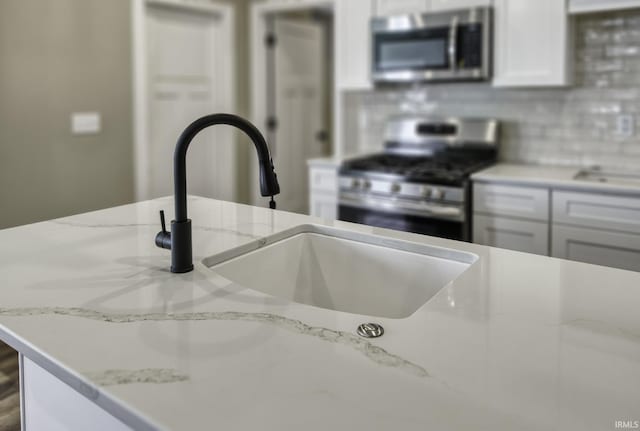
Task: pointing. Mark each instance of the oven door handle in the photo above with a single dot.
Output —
(403, 206)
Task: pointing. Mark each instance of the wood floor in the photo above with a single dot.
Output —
(9, 389)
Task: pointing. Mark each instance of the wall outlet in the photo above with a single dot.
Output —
(625, 125)
(86, 123)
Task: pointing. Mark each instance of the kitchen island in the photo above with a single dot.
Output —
(516, 342)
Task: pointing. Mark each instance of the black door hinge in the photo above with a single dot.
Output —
(272, 124)
(322, 135)
(270, 40)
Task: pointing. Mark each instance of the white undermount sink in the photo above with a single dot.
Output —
(343, 270)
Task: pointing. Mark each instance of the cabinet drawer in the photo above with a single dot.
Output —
(616, 249)
(323, 179)
(512, 234)
(597, 211)
(525, 202)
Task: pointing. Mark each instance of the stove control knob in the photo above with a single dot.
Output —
(425, 191)
(367, 185)
(355, 183)
(437, 194)
(395, 187)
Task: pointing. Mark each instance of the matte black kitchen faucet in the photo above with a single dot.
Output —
(179, 239)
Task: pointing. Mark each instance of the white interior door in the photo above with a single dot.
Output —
(189, 74)
(301, 95)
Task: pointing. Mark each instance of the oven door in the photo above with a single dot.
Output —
(417, 217)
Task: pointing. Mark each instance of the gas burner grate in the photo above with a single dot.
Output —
(443, 168)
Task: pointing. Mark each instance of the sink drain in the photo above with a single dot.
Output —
(370, 330)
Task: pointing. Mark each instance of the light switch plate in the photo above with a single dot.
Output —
(86, 123)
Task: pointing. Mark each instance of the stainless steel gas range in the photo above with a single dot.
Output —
(420, 183)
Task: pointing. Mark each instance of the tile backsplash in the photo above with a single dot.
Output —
(578, 125)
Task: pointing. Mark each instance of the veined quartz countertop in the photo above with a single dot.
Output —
(518, 342)
(550, 176)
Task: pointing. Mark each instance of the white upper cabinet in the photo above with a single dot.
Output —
(583, 6)
(531, 43)
(443, 5)
(352, 44)
(400, 7)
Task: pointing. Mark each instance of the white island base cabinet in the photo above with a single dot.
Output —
(49, 404)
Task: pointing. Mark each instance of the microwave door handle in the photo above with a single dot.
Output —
(453, 38)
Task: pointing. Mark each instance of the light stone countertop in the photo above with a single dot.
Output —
(330, 162)
(552, 177)
(334, 161)
(517, 342)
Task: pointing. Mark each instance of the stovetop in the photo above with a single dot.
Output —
(446, 169)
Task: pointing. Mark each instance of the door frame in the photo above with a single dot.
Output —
(141, 145)
(259, 14)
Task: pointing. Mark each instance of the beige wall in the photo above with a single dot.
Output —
(64, 56)
(58, 57)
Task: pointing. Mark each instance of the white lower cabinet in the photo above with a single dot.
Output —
(513, 234)
(50, 404)
(600, 247)
(323, 205)
(597, 228)
(511, 217)
(323, 191)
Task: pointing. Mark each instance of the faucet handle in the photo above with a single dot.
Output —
(162, 223)
(163, 238)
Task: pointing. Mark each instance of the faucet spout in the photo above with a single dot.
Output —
(268, 180)
(179, 240)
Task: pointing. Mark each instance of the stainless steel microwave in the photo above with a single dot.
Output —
(445, 46)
